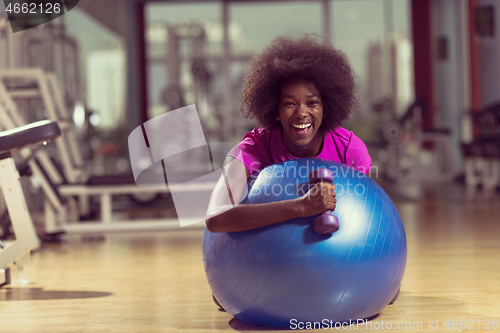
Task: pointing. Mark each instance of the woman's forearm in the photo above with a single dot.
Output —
(224, 216)
(244, 217)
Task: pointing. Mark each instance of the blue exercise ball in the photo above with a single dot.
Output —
(285, 274)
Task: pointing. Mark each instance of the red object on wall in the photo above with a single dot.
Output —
(475, 79)
(421, 21)
(141, 62)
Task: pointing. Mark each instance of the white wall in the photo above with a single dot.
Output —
(449, 74)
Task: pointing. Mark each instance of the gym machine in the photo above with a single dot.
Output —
(26, 239)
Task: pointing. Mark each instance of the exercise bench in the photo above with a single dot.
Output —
(26, 238)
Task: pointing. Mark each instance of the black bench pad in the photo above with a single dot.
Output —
(28, 134)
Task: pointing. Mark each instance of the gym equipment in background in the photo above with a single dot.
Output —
(68, 185)
(416, 154)
(11, 141)
(482, 153)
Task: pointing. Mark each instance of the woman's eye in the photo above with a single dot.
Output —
(288, 104)
(314, 103)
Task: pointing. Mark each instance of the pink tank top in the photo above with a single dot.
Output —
(261, 148)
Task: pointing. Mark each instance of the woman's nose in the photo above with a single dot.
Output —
(302, 110)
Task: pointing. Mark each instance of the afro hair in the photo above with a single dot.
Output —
(285, 58)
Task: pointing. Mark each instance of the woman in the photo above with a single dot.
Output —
(299, 91)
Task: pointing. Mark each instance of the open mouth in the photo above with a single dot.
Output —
(302, 128)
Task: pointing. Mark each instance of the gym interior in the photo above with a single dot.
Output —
(95, 238)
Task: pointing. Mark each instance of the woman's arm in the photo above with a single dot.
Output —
(226, 214)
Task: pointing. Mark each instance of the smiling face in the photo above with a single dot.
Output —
(301, 113)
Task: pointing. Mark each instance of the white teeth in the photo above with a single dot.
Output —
(301, 125)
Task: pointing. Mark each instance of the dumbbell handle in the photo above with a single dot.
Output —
(326, 223)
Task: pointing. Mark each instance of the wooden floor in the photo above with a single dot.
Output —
(155, 282)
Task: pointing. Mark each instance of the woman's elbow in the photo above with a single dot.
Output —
(216, 220)
(211, 223)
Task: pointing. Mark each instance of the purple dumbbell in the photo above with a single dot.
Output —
(326, 223)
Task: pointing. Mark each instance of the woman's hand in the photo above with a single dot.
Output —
(226, 214)
(320, 197)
